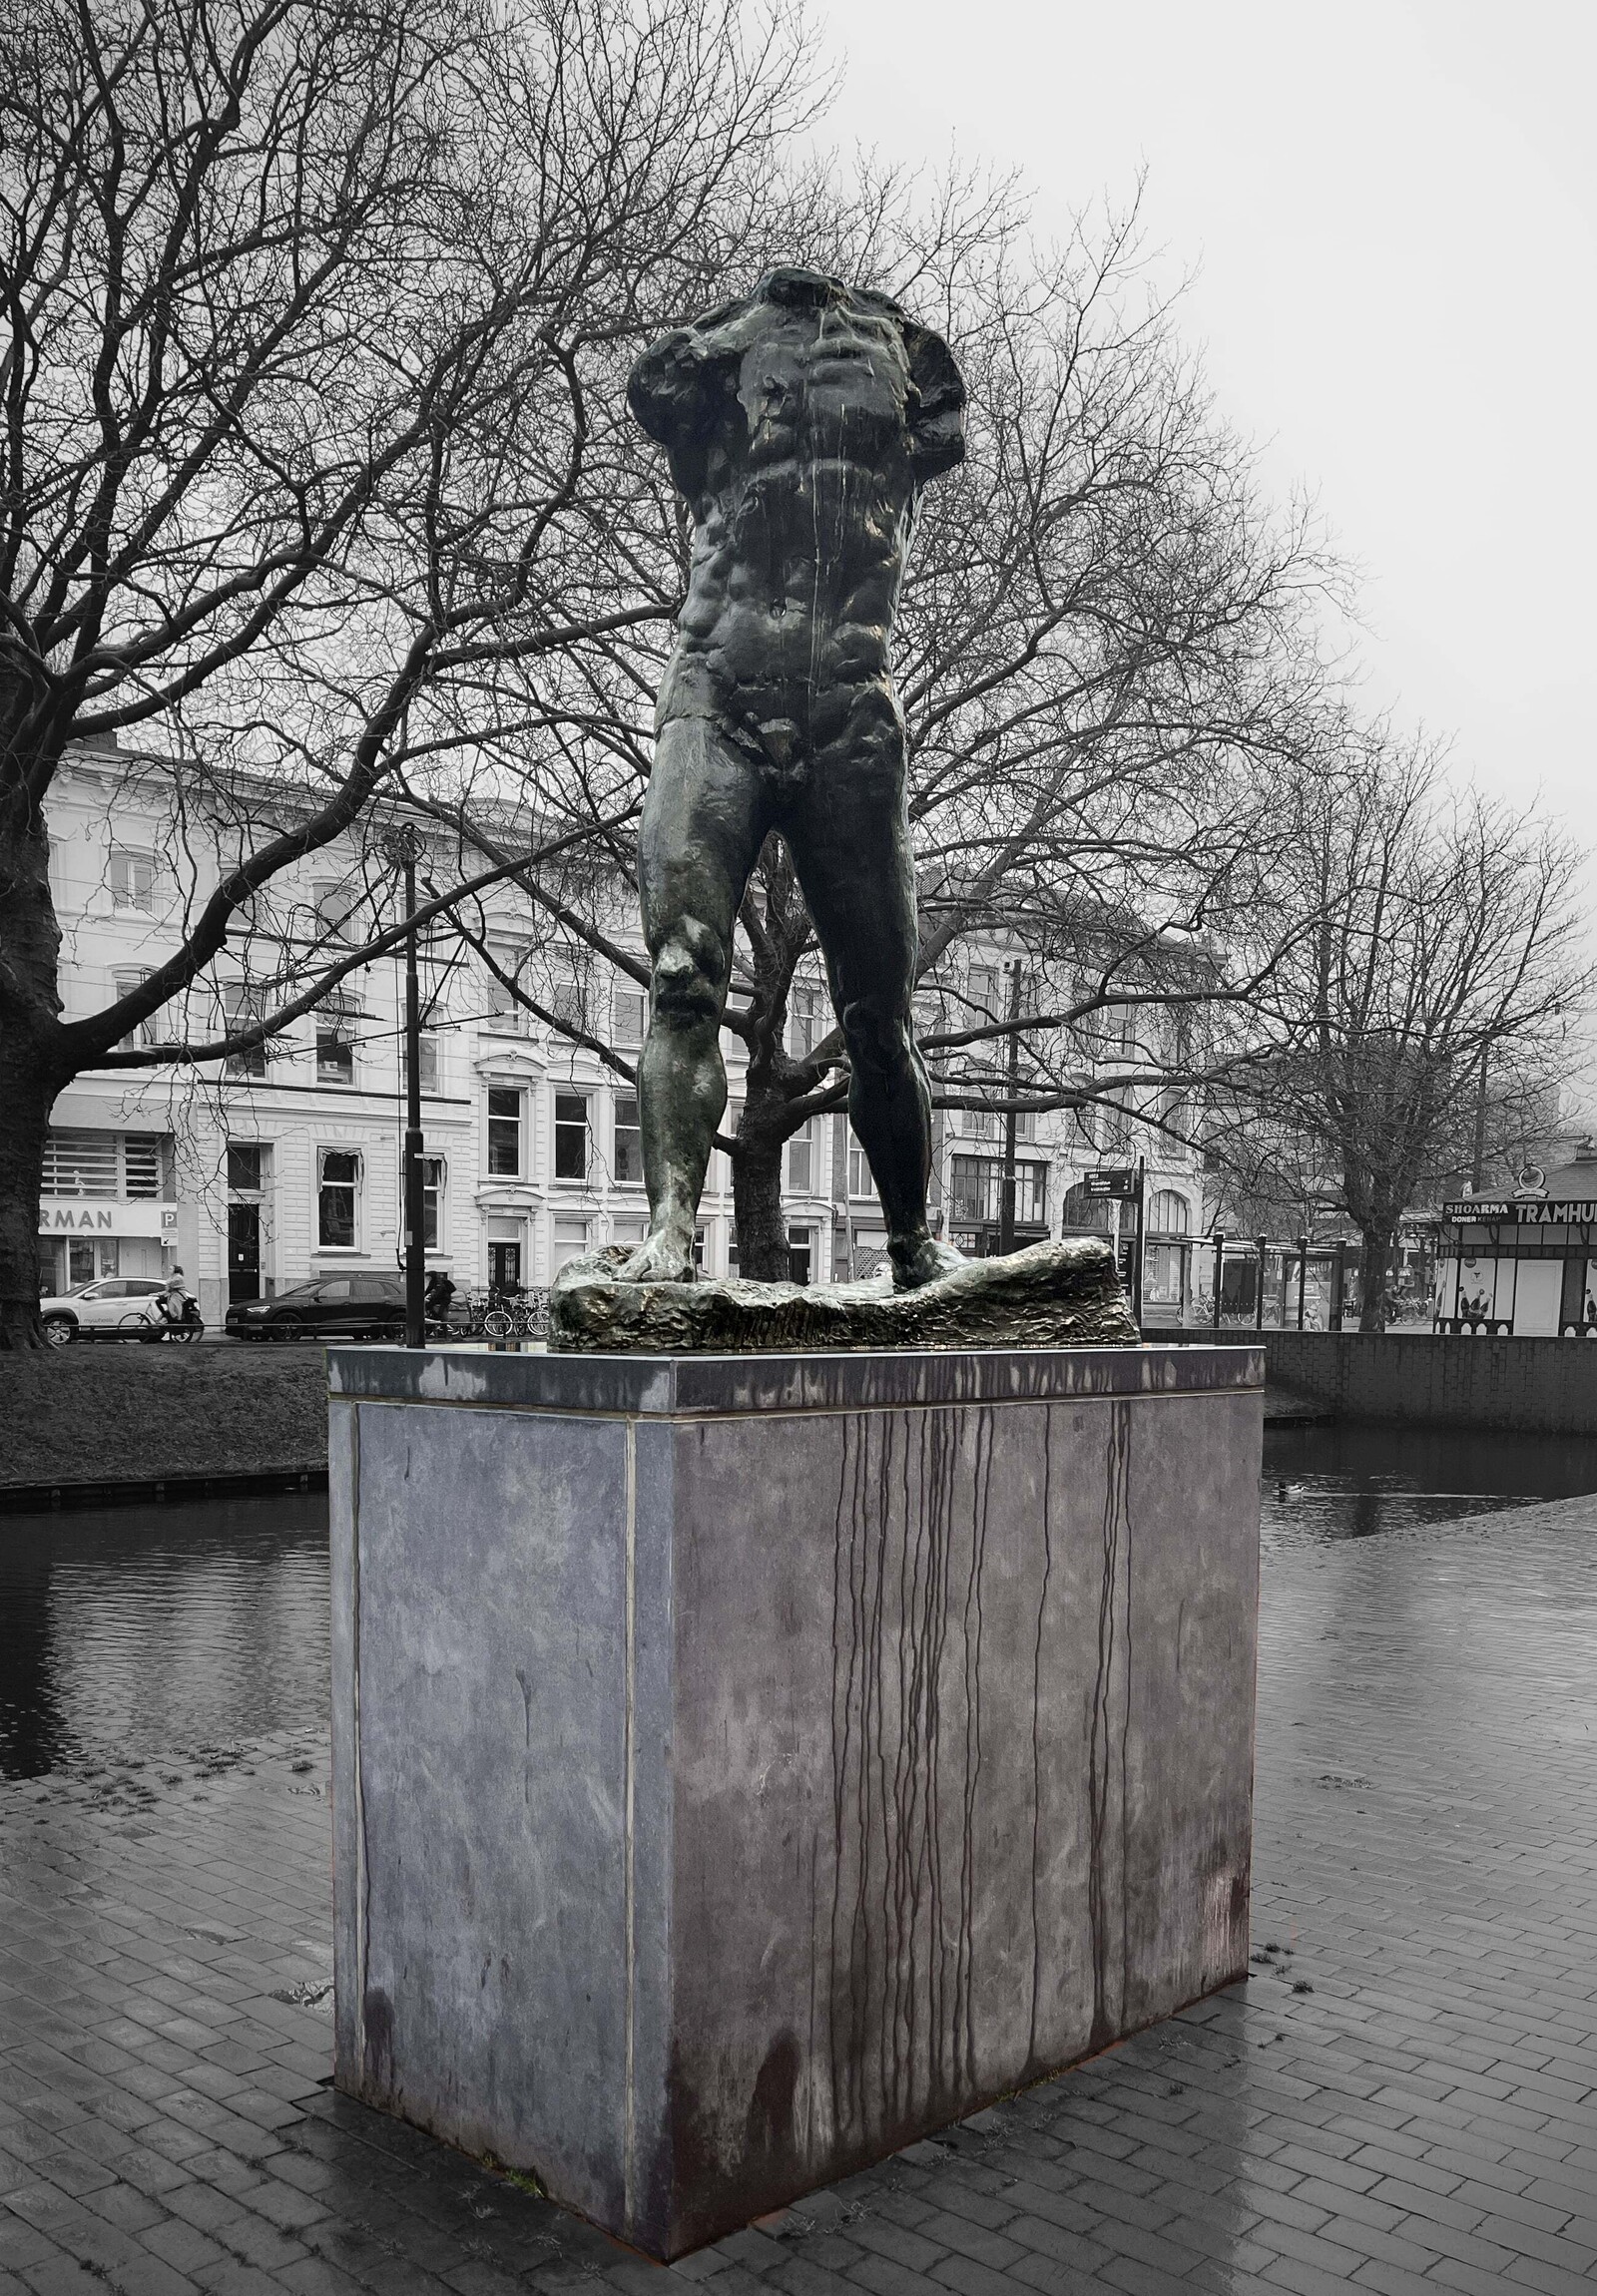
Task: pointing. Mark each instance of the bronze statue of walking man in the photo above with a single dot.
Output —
(800, 424)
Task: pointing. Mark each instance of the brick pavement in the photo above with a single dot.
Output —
(1403, 2099)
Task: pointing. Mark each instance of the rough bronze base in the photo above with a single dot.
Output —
(1065, 1294)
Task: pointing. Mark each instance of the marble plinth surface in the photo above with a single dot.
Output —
(743, 1765)
(1061, 1294)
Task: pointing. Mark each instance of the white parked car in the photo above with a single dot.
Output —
(109, 1308)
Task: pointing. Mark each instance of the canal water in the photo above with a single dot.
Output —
(140, 1641)
(132, 1634)
(1347, 1480)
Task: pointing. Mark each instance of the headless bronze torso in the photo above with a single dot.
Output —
(800, 424)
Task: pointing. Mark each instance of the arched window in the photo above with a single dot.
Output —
(1168, 1213)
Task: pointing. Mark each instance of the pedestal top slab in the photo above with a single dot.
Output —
(720, 1386)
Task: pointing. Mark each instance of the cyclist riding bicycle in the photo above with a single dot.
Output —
(435, 1300)
(173, 1311)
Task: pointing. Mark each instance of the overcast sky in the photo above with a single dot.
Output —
(1392, 211)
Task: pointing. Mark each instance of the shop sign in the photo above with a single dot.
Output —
(1560, 1211)
(79, 1216)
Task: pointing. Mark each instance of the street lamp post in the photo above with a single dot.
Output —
(1006, 1201)
(408, 844)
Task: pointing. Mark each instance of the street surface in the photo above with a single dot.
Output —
(1402, 2099)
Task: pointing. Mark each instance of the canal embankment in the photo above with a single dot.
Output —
(90, 1425)
(86, 1424)
(1514, 1385)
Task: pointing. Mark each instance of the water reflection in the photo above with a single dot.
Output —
(1349, 1481)
(136, 1631)
(141, 1631)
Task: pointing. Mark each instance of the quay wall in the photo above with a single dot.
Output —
(104, 1420)
(1427, 1379)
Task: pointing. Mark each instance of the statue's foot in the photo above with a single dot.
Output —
(922, 1260)
(659, 1258)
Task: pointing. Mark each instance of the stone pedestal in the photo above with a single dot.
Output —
(746, 1764)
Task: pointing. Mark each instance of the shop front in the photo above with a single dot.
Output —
(80, 1242)
(1524, 1266)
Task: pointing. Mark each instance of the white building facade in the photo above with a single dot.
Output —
(283, 1165)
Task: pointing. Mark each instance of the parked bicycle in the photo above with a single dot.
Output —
(502, 1314)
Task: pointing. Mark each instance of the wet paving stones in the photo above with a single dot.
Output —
(1402, 2097)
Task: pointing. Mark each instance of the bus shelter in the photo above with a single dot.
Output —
(1257, 1283)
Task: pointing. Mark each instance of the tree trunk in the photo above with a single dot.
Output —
(24, 1121)
(757, 1204)
(1374, 1268)
(764, 1130)
(30, 1003)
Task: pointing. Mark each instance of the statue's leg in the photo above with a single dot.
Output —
(704, 819)
(849, 837)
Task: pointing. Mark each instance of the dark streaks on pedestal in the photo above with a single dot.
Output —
(1110, 1721)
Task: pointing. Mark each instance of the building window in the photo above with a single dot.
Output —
(720, 1167)
(984, 992)
(628, 1141)
(335, 904)
(800, 1254)
(805, 1026)
(698, 1235)
(504, 1133)
(802, 1160)
(105, 1164)
(859, 1179)
(629, 1008)
(1168, 1213)
(571, 1136)
(335, 1044)
(242, 1008)
(80, 1163)
(570, 1241)
(142, 1159)
(568, 1001)
(145, 1035)
(501, 1012)
(988, 1123)
(978, 1192)
(132, 882)
(427, 1068)
(337, 1195)
(244, 1168)
(432, 1184)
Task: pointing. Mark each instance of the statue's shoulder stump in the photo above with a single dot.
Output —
(1065, 1294)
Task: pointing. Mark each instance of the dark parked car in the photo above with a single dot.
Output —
(353, 1306)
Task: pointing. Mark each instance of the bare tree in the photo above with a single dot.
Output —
(304, 306)
(1447, 941)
